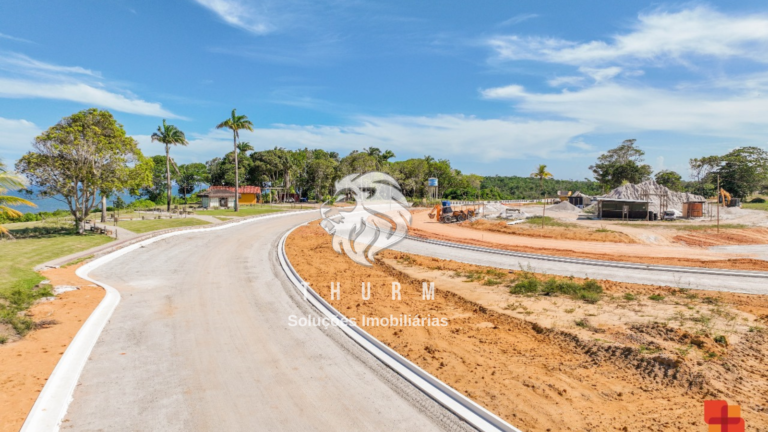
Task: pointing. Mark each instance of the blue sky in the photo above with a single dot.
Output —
(497, 89)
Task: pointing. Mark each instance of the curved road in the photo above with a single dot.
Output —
(201, 341)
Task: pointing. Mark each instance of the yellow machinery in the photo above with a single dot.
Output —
(726, 198)
(563, 195)
(445, 214)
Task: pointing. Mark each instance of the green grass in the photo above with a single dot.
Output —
(527, 283)
(548, 221)
(33, 246)
(755, 206)
(144, 226)
(244, 211)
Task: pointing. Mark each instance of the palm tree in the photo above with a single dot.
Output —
(169, 135)
(10, 181)
(541, 173)
(387, 155)
(244, 146)
(235, 124)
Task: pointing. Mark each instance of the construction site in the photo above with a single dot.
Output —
(645, 223)
(540, 345)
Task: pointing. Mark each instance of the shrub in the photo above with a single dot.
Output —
(758, 200)
(656, 297)
(629, 297)
(721, 340)
(142, 204)
(526, 286)
(589, 297)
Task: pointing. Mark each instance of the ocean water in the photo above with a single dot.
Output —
(50, 204)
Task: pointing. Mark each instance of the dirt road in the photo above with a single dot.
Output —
(201, 341)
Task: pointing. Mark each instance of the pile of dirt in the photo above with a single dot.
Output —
(564, 206)
(541, 377)
(494, 210)
(652, 191)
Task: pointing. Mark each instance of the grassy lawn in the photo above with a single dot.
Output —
(143, 226)
(33, 245)
(755, 206)
(244, 211)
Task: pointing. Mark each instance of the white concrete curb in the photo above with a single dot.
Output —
(52, 403)
(463, 407)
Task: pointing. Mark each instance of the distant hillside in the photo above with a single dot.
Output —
(529, 188)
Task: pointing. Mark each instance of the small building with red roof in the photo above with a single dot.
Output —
(224, 196)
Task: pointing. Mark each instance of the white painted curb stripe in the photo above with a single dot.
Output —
(52, 403)
(463, 407)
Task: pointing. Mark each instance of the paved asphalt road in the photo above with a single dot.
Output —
(751, 285)
(200, 342)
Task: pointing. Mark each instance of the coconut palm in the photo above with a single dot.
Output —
(10, 181)
(541, 173)
(235, 124)
(169, 135)
(244, 146)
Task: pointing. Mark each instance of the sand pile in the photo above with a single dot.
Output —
(652, 191)
(564, 206)
(495, 210)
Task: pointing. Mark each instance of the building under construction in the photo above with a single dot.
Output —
(626, 209)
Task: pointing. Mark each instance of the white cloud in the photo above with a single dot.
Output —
(656, 36)
(452, 136)
(517, 19)
(13, 38)
(15, 138)
(24, 77)
(613, 107)
(15, 62)
(239, 14)
(601, 74)
(565, 81)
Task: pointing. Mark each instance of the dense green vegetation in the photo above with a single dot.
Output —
(529, 188)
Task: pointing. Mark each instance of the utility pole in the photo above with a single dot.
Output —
(719, 197)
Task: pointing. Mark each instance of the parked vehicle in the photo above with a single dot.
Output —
(671, 215)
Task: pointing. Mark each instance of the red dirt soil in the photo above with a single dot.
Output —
(636, 253)
(538, 378)
(26, 364)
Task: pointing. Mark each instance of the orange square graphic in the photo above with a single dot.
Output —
(723, 418)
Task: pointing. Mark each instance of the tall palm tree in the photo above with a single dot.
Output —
(541, 173)
(244, 146)
(387, 155)
(10, 181)
(169, 135)
(235, 124)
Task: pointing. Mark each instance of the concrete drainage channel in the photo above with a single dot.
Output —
(475, 415)
(616, 264)
(52, 403)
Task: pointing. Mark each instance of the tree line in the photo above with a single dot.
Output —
(88, 156)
